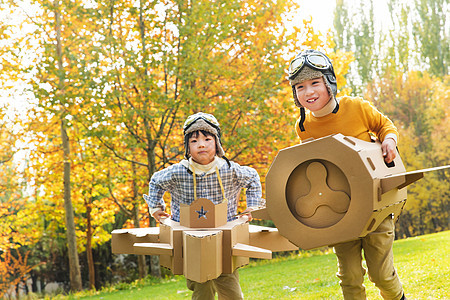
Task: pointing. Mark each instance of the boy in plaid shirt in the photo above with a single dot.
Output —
(205, 159)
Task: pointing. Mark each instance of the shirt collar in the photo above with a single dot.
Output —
(203, 169)
(326, 110)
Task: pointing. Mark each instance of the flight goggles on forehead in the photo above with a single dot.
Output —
(315, 61)
(210, 119)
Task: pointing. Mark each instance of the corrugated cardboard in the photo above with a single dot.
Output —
(172, 233)
(209, 247)
(269, 238)
(329, 190)
(196, 253)
(378, 216)
(202, 213)
(202, 252)
(321, 192)
(234, 232)
(122, 240)
(251, 251)
(153, 249)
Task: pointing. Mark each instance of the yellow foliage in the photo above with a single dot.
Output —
(13, 270)
(419, 106)
(125, 84)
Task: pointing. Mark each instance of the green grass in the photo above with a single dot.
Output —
(423, 264)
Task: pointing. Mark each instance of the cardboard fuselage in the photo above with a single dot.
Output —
(333, 189)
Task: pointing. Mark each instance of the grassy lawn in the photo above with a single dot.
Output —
(423, 264)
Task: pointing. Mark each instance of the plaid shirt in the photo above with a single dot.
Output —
(178, 180)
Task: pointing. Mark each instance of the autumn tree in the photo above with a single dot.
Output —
(398, 55)
(355, 31)
(186, 57)
(90, 82)
(431, 35)
(420, 111)
(408, 69)
(57, 89)
(112, 85)
(341, 22)
(415, 39)
(19, 226)
(14, 268)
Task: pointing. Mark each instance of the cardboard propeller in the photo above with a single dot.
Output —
(334, 189)
(203, 245)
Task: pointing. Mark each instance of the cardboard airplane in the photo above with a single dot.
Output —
(318, 193)
(334, 189)
(203, 245)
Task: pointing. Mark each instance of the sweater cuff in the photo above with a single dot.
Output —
(391, 136)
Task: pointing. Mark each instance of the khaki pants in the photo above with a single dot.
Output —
(379, 257)
(226, 285)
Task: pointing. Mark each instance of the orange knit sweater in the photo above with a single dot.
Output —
(356, 117)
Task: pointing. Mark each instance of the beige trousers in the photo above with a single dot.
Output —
(226, 285)
(379, 257)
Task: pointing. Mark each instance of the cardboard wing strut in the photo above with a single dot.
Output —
(153, 249)
(251, 251)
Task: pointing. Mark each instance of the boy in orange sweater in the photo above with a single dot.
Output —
(314, 87)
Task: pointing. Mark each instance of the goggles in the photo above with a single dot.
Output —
(210, 119)
(313, 60)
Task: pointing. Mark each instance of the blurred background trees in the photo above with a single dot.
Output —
(116, 80)
(404, 71)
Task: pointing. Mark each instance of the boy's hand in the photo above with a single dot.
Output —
(388, 149)
(247, 213)
(160, 214)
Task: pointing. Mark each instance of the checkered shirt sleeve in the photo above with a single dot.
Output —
(178, 181)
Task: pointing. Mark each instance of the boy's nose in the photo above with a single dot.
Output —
(309, 90)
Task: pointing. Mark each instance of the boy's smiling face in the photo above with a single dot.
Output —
(312, 94)
(202, 148)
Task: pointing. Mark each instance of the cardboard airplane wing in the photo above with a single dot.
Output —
(203, 245)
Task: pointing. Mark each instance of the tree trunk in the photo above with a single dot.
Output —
(90, 257)
(74, 265)
(142, 266)
(155, 268)
(75, 274)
